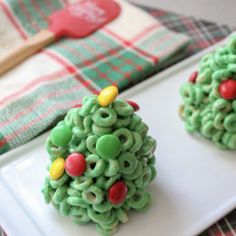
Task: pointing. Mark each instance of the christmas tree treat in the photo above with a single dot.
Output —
(209, 97)
(101, 161)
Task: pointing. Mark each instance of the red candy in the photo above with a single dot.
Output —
(193, 77)
(134, 105)
(117, 192)
(227, 89)
(75, 164)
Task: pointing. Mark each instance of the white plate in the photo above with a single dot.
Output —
(195, 185)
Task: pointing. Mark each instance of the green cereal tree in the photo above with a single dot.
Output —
(209, 97)
(101, 162)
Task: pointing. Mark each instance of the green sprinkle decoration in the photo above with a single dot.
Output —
(103, 158)
(209, 97)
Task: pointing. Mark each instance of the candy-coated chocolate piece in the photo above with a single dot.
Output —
(57, 168)
(134, 105)
(77, 105)
(75, 164)
(107, 96)
(61, 135)
(227, 89)
(193, 77)
(117, 192)
(108, 146)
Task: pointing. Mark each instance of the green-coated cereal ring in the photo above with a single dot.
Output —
(103, 207)
(98, 217)
(222, 105)
(138, 200)
(232, 44)
(105, 117)
(208, 129)
(136, 120)
(149, 145)
(81, 183)
(95, 166)
(219, 121)
(122, 108)
(153, 172)
(59, 194)
(122, 216)
(106, 182)
(230, 122)
(79, 133)
(142, 129)
(221, 74)
(91, 143)
(112, 168)
(147, 204)
(199, 95)
(98, 130)
(122, 122)
(144, 178)
(105, 232)
(131, 189)
(137, 142)
(73, 118)
(127, 162)
(187, 92)
(77, 145)
(111, 222)
(125, 137)
(48, 194)
(87, 122)
(74, 192)
(59, 182)
(81, 219)
(64, 208)
(77, 201)
(135, 173)
(93, 195)
(88, 105)
(79, 215)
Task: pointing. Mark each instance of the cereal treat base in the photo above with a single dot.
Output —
(101, 160)
(209, 97)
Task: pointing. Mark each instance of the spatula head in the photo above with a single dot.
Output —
(80, 19)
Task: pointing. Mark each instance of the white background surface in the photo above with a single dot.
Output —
(195, 185)
(220, 11)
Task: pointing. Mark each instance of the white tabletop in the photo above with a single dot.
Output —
(222, 12)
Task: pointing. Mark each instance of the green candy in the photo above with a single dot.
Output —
(108, 146)
(61, 135)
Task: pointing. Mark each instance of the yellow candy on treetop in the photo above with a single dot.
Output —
(107, 96)
(57, 168)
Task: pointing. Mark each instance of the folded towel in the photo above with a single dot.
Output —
(39, 91)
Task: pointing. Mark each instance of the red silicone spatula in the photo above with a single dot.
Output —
(77, 20)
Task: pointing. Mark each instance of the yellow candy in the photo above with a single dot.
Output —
(107, 96)
(57, 168)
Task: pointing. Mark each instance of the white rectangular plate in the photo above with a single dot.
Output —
(195, 185)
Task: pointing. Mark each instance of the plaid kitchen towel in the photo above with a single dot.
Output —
(43, 88)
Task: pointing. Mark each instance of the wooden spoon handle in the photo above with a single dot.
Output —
(22, 52)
